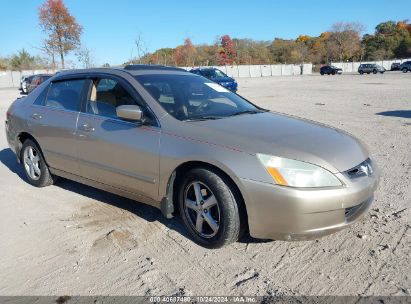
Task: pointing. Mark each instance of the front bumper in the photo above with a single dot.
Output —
(284, 213)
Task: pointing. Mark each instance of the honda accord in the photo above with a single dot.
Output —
(190, 147)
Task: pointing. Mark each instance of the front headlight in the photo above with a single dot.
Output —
(294, 173)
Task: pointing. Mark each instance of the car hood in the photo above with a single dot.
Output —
(284, 136)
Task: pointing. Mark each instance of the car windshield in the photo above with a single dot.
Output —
(211, 73)
(192, 97)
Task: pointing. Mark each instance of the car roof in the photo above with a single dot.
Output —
(133, 70)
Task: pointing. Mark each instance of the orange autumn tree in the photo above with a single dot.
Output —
(184, 55)
(61, 27)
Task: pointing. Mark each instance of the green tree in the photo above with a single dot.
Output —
(391, 39)
(22, 61)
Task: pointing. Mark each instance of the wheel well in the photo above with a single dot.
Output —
(22, 137)
(179, 173)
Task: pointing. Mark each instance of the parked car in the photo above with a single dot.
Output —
(330, 70)
(25, 81)
(217, 76)
(184, 144)
(36, 81)
(370, 68)
(405, 66)
(395, 66)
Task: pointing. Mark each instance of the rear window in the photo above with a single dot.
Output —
(65, 94)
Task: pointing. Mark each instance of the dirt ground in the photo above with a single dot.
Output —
(76, 240)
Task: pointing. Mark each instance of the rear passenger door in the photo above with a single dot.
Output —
(113, 151)
(52, 120)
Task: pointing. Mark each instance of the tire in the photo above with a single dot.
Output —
(404, 70)
(322, 73)
(225, 211)
(374, 71)
(361, 72)
(368, 73)
(333, 72)
(32, 157)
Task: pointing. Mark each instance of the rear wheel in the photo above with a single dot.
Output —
(209, 208)
(333, 72)
(374, 71)
(404, 70)
(34, 166)
(322, 73)
(361, 72)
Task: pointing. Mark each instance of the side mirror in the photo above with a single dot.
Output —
(130, 112)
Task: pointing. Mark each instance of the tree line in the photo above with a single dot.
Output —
(342, 42)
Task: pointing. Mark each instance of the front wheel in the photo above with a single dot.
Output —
(322, 73)
(209, 208)
(361, 72)
(374, 71)
(35, 168)
(404, 70)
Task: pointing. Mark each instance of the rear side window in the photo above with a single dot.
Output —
(40, 99)
(65, 94)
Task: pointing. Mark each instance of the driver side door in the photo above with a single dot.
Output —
(113, 151)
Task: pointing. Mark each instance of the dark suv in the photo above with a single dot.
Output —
(405, 66)
(395, 66)
(329, 69)
(217, 76)
(36, 81)
(370, 68)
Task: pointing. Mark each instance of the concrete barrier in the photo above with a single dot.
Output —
(244, 71)
(255, 71)
(232, 70)
(265, 70)
(276, 70)
(10, 79)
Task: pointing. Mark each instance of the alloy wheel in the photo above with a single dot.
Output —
(201, 209)
(31, 161)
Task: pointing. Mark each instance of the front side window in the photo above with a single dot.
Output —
(65, 94)
(190, 97)
(105, 96)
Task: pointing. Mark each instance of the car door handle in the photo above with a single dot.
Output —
(36, 116)
(86, 128)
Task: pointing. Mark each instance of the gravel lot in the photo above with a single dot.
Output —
(76, 240)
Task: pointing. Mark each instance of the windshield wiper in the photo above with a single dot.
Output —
(199, 118)
(247, 112)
